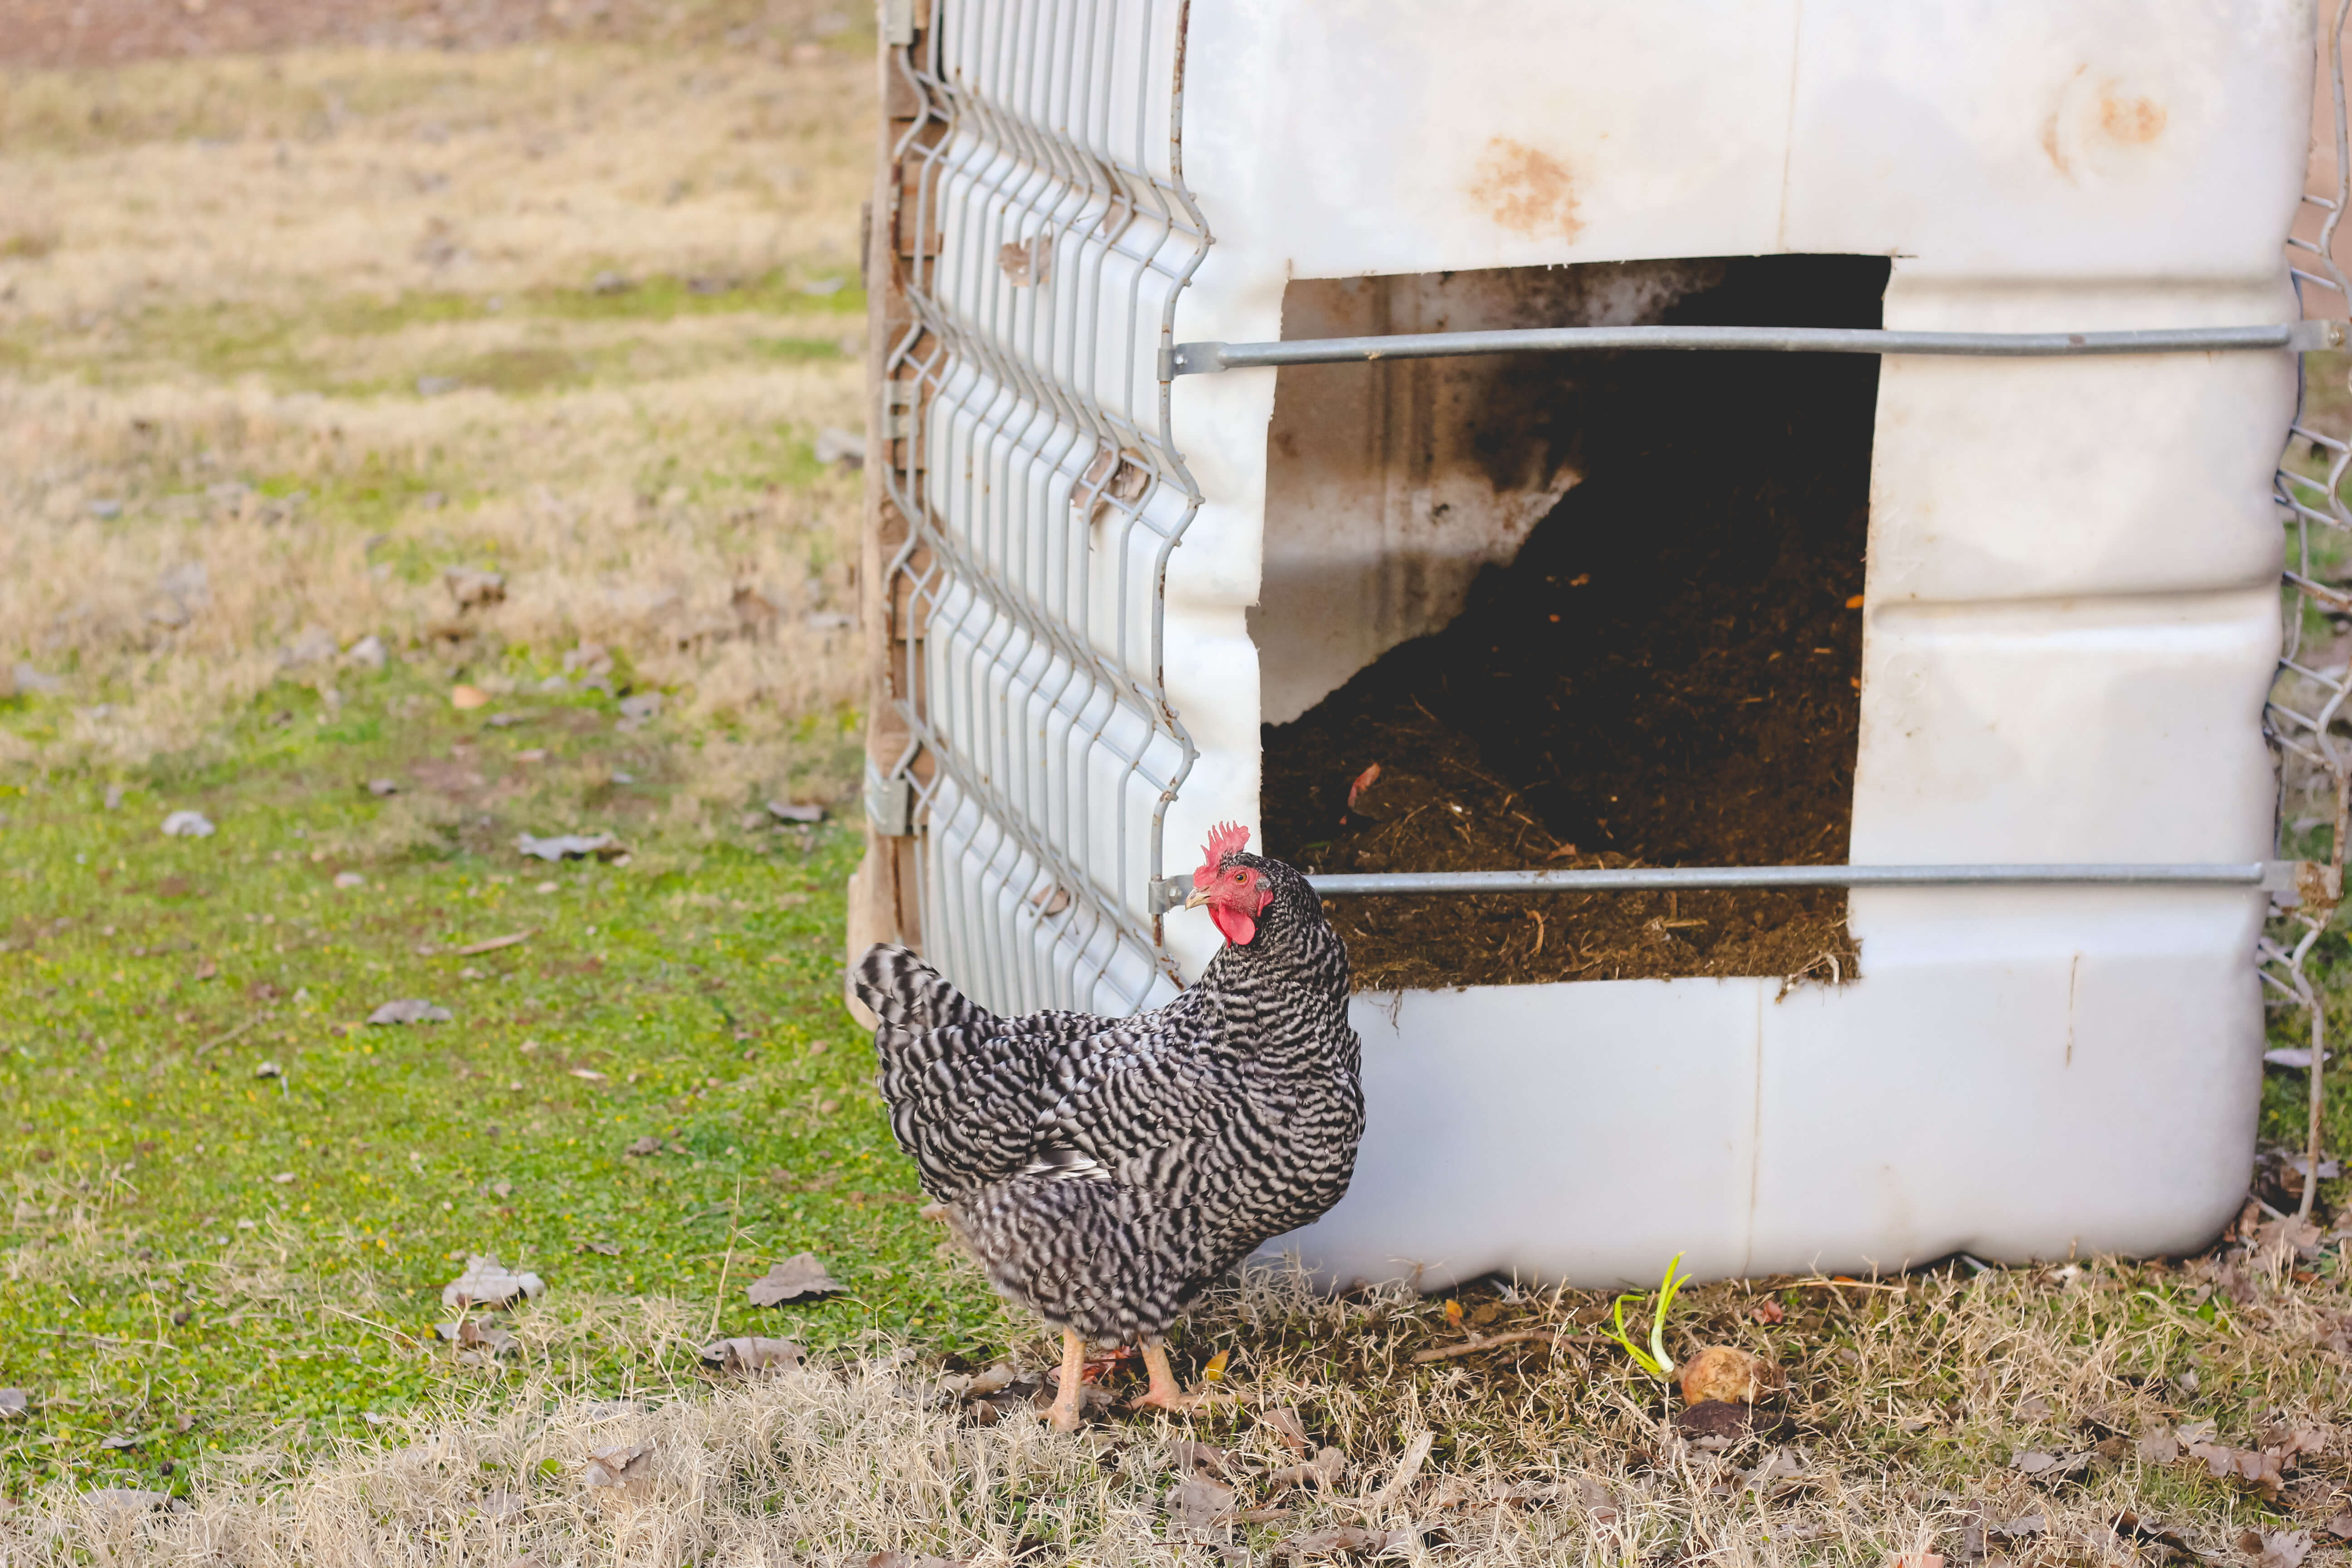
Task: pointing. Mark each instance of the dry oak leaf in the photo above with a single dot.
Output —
(1323, 1471)
(487, 1282)
(2278, 1549)
(619, 1466)
(1198, 1500)
(754, 1352)
(480, 1337)
(796, 1276)
(1186, 1454)
(2253, 1467)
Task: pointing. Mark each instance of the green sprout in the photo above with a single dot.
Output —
(1653, 1361)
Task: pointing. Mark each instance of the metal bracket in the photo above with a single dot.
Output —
(898, 400)
(898, 22)
(889, 802)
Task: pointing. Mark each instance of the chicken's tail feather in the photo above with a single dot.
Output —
(906, 992)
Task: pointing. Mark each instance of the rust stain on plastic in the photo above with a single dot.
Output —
(1526, 190)
(2134, 121)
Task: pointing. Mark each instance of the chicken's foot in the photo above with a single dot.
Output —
(1064, 1413)
(1163, 1392)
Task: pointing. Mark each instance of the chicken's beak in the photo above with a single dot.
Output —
(1196, 898)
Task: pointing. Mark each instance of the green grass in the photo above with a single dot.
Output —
(302, 345)
(160, 1271)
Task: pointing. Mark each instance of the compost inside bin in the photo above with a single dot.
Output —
(1667, 673)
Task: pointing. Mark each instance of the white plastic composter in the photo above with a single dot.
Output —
(2071, 591)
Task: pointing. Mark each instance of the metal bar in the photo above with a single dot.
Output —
(1207, 358)
(2270, 875)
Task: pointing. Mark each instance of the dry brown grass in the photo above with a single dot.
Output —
(1909, 1400)
(212, 436)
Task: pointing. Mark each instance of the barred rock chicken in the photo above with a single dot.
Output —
(1105, 1170)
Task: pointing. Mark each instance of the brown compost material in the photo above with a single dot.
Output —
(1666, 675)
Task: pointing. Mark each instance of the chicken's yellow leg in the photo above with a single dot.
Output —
(1163, 1391)
(1065, 1413)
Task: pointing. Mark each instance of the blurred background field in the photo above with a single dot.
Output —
(286, 338)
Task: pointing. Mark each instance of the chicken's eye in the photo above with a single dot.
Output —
(1241, 875)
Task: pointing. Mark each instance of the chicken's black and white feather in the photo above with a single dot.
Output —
(1105, 1170)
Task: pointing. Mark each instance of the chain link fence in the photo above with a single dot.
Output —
(2306, 703)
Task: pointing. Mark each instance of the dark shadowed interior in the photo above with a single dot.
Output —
(1660, 667)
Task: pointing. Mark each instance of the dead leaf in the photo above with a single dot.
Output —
(14, 1401)
(1198, 1500)
(1364, 781)
(618, 1466)
(796, 1276)
(1187, 1454)
(2281, 1549)
(487, 1282)
(409, 1010)
(2159, 1446)
(568, 846)
(794, 811)
(2250, 1468)
(469, 697)
(754, 1352)
(474, 1335)
(601, 1248)
(2340, 1526)
(2051, 1466)
(1323, 1471)
(1597, 1501)
(206, 969)
(1918, 1560)
(1768, 1311)
(2290, 1234)
(995, 1380)
(642, 1147)
(119, 1441)
(1287, 1429)
(901, 1560)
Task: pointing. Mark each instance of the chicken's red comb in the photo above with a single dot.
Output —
(1224, 839)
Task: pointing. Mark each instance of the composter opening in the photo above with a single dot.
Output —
(1577, 610)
